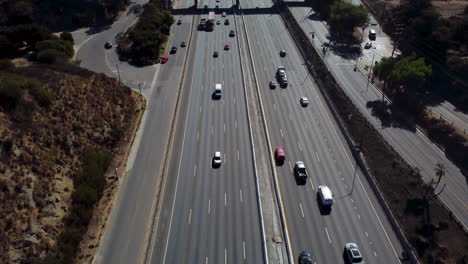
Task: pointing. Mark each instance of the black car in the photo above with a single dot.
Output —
(226, 22)
(179, 22)
(173, 49)
(232, 33)
(183, 44)
(304, 258)
(215, 54)
(108, 45)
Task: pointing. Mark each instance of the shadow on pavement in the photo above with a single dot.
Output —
(390, 116)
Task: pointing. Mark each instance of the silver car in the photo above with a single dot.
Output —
(217, 159)
(304, 101)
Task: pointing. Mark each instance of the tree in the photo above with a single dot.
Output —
(344, 17)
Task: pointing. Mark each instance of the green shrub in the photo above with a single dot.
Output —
(66, 36)
(42, 96)
(51, 50)
(11, 91)
(6, 65)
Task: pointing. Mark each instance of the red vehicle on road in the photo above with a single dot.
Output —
(279, 155)
(164, 59)
(226, 47)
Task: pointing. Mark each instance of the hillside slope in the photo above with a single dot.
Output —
(42, 149)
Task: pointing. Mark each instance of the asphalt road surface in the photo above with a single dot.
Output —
(410, 143)
(212, 216)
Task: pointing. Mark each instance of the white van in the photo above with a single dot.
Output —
(372, 34)
(218, 90)
(325, 195)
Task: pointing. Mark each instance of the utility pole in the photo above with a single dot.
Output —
(118, 71)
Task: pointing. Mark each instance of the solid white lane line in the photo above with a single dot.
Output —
(190, 217)
(274, 106)
(224, 127)
(290, 116)
(236, 123)
(240, 191)
(224, 199)
(302, 211)
(289, 162)
(225, 255)
(312, 184)
(225, 160)
(328, 236)
(206, 262)
(211, 130)
(243, 247)
(234, 100)
(359, 179)
(281, 130)
(195, 170)
(198, 136)
(299, 144)
(237, 154)
(316, 154)
(209, 206)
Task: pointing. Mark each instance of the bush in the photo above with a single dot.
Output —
(49, 51)
(49, 56)
(42, 96)
(66, 36)
(89, 184)
(6, 65)
(11, 91)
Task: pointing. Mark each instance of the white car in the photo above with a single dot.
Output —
(304, 101)
(368, 45)
(325, 196)
(353, 254)
(217, 159)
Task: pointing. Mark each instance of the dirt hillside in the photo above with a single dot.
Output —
(41, 149)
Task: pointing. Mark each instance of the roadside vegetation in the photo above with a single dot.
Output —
(143, 44)
(344, 18)
(432, 231)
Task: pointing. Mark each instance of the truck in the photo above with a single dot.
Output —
(211, 21)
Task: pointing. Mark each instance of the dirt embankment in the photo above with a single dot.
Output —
(41, 150)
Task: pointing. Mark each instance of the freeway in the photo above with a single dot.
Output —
(210, 215)
(410, 142)
(311, 135)
(125, 235)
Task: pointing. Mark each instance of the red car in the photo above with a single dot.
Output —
(226, 47)
(279, 155)
(164, 59)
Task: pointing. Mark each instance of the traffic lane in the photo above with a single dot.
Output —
(415, 148)
(205, 199)
(355, 85)
(294, 97)
(134, 200)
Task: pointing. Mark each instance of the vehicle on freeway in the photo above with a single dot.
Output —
(283, 81)
(164, 59)
(179, 22)
(217, 159)
(205, 6)
(300, 172)
(183, 44)
(209, 25)
(226, 22)
(202, 24)
(272, 84)
(352, 253)
(279, 155)
(226, 47)
(218, 22)
(232, 33)
(173, 49)
(304, 101)
(372, 34)
(215, 54)
(368, 45)
(325, 196)
(224, 14)
(217, 6)
(281, 71)
(282, 53)
(304, 258)
(217, 91)
(108, 45)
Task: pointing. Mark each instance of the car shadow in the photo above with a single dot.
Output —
(215, 97)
